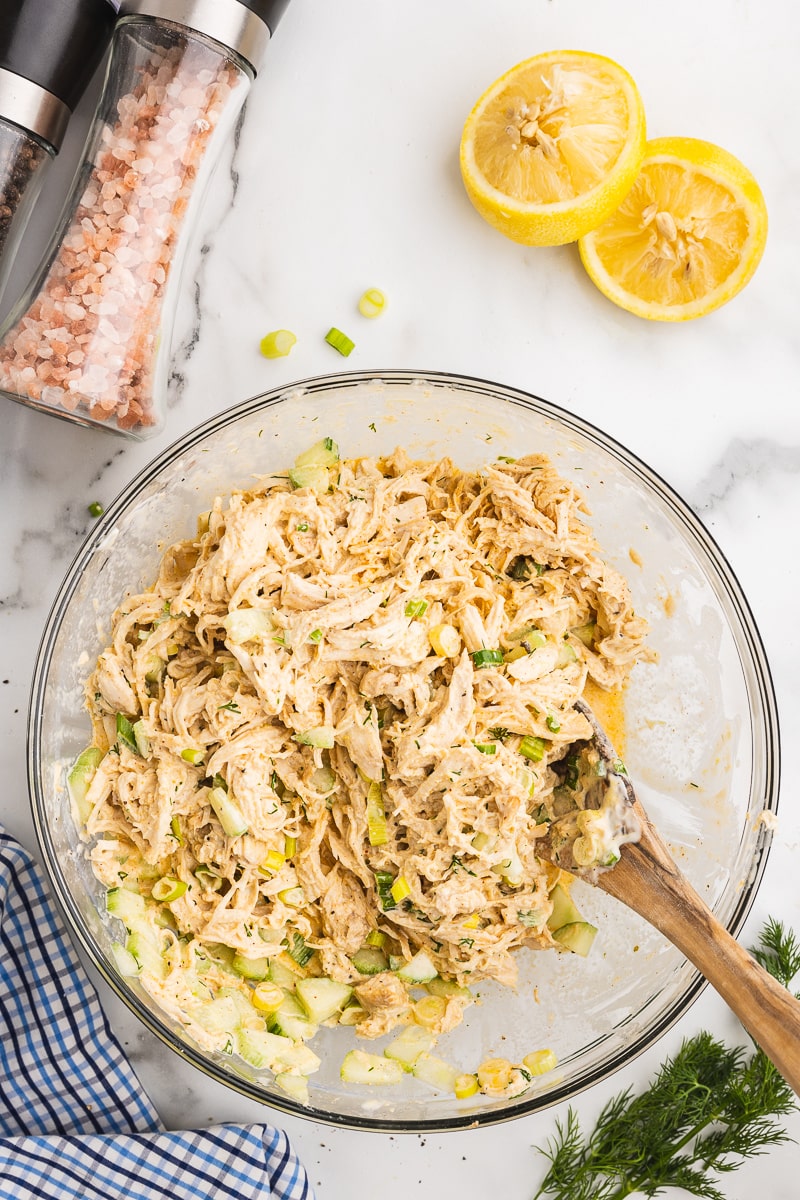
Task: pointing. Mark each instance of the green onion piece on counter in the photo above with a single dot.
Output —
(278, 343)
(167, 889)
(372, 303)
(96, 509)
(552, 723)
(195, 757)
(533, 748)
(377, 828)
(416, 608)
(340, 341)
(486, 658)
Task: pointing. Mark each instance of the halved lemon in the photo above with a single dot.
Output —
(550, 150)
(686, 238)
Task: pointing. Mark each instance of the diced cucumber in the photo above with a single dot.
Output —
(322, 998)
(447, 988)
(251, 968)
(260, 1048)
(436, 1072)
(217, 1016)
(322, 737)
(565, 911)
(299, 1058)
(370, 960)
(316, 478)
(128, 906)
(246, 624)
(566, 655)
(577, 936)
(324, 453)
(144, 948)
(243, 1005)
(291, 1020)
(126, 964)
(295, 1086)
(79, 780)
(585, 633)
(360, 1067)
(284, 976)
(407, 1047)
(229, 815)
(420, 969)
(352, 1014)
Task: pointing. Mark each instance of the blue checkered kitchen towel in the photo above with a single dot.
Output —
(74, 1120)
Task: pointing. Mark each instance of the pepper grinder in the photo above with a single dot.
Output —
(48, 53)
(90, 339)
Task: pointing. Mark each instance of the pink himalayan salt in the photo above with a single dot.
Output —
(106, 284)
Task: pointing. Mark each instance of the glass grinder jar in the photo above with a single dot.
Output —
(90, 340)
(48, 54)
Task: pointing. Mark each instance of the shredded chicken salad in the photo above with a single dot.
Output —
(328, 738)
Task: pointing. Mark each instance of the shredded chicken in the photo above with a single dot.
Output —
(293, 612)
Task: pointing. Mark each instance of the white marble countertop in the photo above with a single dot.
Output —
(345, 176)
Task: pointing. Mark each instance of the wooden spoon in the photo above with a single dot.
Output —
(647, 880)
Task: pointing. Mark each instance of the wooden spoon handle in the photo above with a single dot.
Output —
(647, 880)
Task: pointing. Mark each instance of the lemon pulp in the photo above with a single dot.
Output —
(687, 237)
(552, 146)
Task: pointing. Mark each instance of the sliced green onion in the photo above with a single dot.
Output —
(125, 733)
(540, 1062)
(295, 897)
(377, 828)
(96, 509)
(289, 846)
(195, 757)
(465, 1086)
(302, 527)
(416, 608)
(298, 950)
(533, 748)
(278, 343)
(552, 723)
(573, 774)
(480, 841)
(168, 889)
(372, 303)
(486, 658)
(315, 636)
(177, 830)
(376, 937)
(274, 861)
(230, 816)
(400, 889)
(267, 997)
(340, 341)
(486, 747)
(383, 882)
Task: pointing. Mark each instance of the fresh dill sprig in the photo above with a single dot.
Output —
(708, 1109)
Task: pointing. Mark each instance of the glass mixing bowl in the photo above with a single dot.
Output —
(701, 726)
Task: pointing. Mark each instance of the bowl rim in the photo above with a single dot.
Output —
(678, 507)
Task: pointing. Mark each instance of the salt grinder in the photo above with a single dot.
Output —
(48, 53)
(90, 340)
